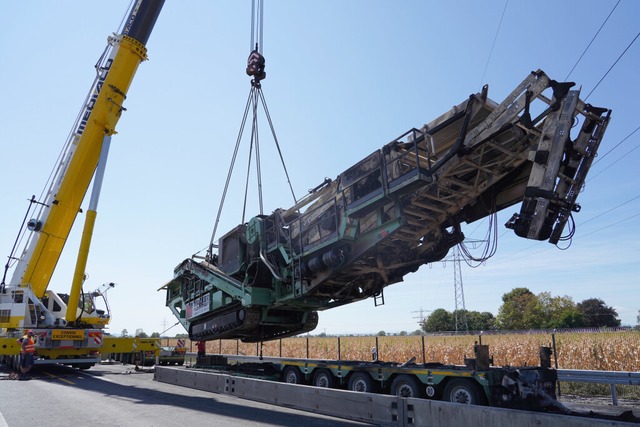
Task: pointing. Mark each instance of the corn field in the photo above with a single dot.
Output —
(591, 350)
(602, 350)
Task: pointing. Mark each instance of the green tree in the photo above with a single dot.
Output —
(382, 333)
(475, 320)
(596, 313)
(559, 312)
(141, 333)
(484, 321)
(439, 320)
(124, 333)
(520, 310)
(155, 335)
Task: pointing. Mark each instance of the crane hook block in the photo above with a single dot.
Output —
(255, 65)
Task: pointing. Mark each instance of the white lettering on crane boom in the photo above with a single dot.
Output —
(94, 97)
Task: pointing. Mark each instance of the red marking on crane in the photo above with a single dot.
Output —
(97, 337)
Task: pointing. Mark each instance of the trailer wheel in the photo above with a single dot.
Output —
(292, 375)
(460, 390)
(362, 382)
(406, 386)
(323, 378)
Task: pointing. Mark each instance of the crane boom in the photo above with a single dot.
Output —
(99, 116)
(69, 327)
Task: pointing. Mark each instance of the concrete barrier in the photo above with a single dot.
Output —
(377, 409)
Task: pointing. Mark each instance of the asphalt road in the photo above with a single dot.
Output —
(118, 395)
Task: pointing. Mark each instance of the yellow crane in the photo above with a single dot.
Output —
(69, 326)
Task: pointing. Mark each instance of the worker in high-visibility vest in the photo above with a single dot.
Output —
(27, 352)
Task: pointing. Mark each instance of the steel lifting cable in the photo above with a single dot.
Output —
(255, 69)
(275, 138)
(254, 144)
(229, 173)
(257, 25)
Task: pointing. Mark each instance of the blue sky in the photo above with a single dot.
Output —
(343, 79)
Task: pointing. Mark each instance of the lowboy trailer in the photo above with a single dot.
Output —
(475, 382)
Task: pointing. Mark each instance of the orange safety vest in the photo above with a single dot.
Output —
(30, 346)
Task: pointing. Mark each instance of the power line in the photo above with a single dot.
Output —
(527, 250)
(615, 146)
(624, 156)
(614, 64)
(495, 38)
(612, 209)
(505, 232)
(611, 225)
(594, 37)
(536, 245)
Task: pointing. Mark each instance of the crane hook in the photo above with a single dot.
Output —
(255, 66)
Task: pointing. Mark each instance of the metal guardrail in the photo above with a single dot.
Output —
(612, 378)
(600, 377)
